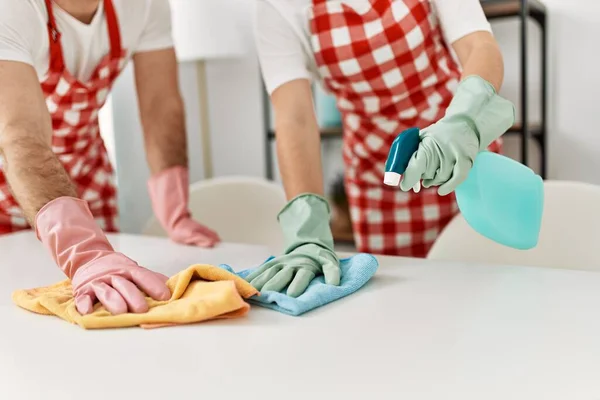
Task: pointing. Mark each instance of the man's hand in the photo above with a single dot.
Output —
(98, 273)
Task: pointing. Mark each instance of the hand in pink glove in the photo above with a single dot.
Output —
(169, 192)
(98, 273)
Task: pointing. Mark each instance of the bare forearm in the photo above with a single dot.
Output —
(298, 139)
(165, 136)
(299, 155)
(485, 60)
(479, 54)
(161, 108)
(34, 173)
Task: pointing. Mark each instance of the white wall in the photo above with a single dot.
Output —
(236, 117)
(574, 145)
(575, 114)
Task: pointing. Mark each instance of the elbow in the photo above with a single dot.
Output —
(490, 50)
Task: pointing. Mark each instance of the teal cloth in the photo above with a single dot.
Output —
(356, 271)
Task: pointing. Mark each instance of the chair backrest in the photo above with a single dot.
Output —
(240, 209)
(569, 237)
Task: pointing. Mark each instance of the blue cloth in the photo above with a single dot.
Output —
(356, 272)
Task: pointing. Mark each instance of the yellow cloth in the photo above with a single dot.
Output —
(199, 293)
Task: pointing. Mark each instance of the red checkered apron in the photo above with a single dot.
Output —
(76, 139)
(390, 69)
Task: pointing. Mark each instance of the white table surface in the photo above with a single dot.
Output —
(419, 330)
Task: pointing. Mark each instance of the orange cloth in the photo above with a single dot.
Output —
(199, 293)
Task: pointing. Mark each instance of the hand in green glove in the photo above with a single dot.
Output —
(309, 249)
(475, 118)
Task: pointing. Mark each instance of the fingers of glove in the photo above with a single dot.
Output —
(84, 304)
(281, 280)
(301, 281)
(460, 173)
(163, 278)
(136, 302)
(444, 161)
(259, 271)
(260, 281)
(205, 237)
(109, 298)
(202, 241)
(151, 283)
(434, 157)
(443, 174)
(415, 169)
(331, 271)
(206, 231)
(190, 232)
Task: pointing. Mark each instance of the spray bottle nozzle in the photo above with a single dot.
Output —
(403, 148)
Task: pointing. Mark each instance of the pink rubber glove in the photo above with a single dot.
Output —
(169, 193)
(97, 272)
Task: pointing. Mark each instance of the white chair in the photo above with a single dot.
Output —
(569, 237)
(240, 209)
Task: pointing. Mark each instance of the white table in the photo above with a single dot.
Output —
(419, 331)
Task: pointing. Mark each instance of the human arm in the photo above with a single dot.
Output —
(305, 219)
(480, 55)
(161, 109)
(467, 30)
(284, 65)
(297, 139)
(34, 173)
(156, 77)
(163, 119)
(63, 223)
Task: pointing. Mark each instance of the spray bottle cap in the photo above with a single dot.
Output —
(403, 148)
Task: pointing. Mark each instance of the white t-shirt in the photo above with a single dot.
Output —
(283, 34)
(145, 25)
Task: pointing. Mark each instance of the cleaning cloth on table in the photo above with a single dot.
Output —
(198, 293)
(356, 272)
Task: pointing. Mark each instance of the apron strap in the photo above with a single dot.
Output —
(56, 61)
(114, 32)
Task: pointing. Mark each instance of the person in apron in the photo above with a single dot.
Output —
(55, 174)
(392, 65)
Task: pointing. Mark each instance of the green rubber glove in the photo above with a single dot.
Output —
(309, 249)
(474, 119)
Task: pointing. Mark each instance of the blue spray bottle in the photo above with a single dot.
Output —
(501, 198)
